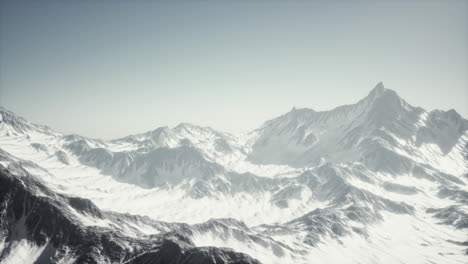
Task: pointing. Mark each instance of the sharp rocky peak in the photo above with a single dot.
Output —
(379, 99)
(378, 90)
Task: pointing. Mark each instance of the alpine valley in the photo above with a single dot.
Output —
(378, 181)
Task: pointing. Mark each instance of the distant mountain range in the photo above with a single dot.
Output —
(378, 181)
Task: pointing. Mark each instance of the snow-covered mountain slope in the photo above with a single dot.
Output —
(41, 226)
(379, 181)
(378, 128)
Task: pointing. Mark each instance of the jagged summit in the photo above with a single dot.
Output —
(345, 133)
(378, 90)
(381, 96)
(303, 187)
(378, 97)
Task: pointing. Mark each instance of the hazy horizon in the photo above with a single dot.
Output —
(109, 70)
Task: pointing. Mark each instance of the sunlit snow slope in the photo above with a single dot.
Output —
(378, 181)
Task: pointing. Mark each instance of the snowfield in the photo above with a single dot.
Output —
(379, 181)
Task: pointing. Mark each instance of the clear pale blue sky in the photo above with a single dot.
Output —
(111, 68)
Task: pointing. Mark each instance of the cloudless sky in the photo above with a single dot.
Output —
(107, 69)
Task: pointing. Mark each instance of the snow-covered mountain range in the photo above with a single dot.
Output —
(378, 181)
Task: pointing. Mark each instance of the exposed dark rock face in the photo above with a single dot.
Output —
(343, 176)
(31, 211)
(177, 249)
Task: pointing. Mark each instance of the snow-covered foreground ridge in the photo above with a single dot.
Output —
(378, 181)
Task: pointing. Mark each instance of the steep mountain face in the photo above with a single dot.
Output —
(375, 126)
(149, 169)
(382, 132)
(361, 183)
(40, 226)
(12, 125)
